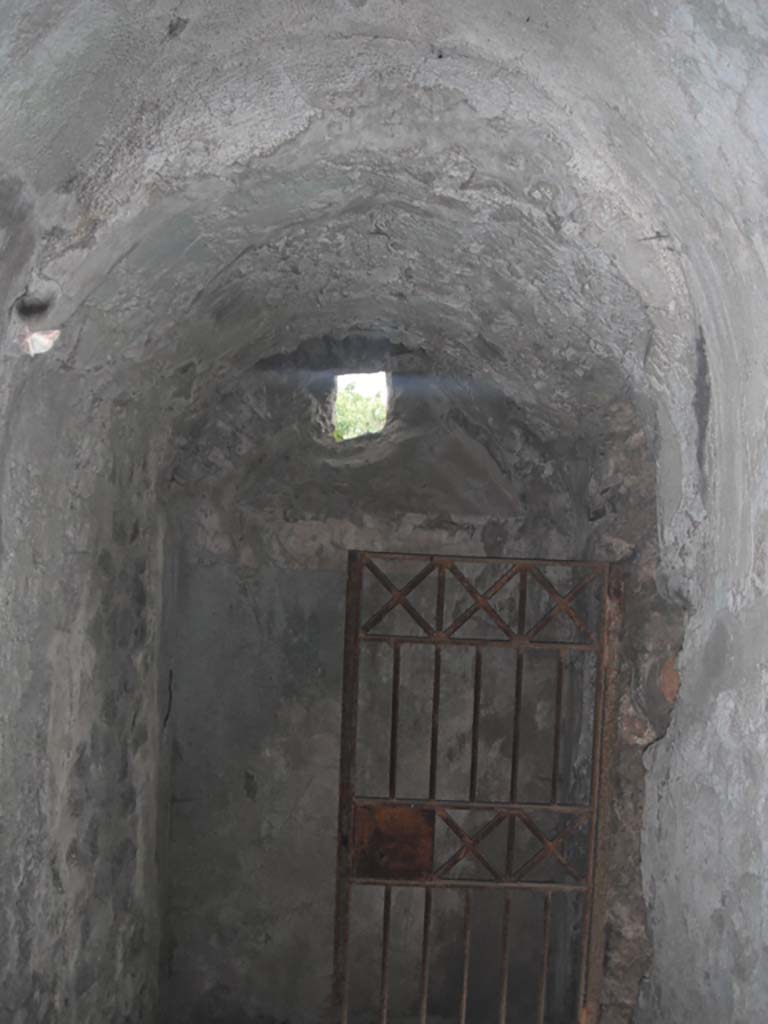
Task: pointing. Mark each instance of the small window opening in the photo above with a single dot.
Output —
(360, 404)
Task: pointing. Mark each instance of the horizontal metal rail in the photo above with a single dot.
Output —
(477, 805)
(483, 560)
(517, 642)
(472, 883)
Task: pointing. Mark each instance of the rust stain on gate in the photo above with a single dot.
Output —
(388, 839)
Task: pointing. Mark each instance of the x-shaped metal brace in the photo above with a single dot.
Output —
(549, 847)
(399, 597)
(482, 601)
(469, 843)
(562, 604)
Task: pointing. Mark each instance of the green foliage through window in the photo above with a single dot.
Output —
(361, 405)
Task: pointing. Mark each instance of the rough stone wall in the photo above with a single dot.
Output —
(708, 791)
(255, 639)
(258, 499)
(78, 761)
(621, 512)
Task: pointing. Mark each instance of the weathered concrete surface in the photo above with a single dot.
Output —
(711, 772)
(568, 198)
(80, 926)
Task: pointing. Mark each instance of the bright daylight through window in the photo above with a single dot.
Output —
(360, 405)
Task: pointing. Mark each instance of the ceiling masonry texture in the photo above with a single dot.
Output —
(567, 199)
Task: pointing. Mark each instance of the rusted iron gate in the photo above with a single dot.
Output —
(528, 613)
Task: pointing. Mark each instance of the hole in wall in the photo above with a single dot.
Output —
(32, 305)
(37, 300)
(360, 404)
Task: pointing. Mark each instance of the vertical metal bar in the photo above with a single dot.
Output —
(519, 673)
(522, 610)
(340, 995)
(506, 934)
(597, 728)
(435, 738)
(545, 959)
(384, 994)
(519, 667)
(426, 942)
(467, 947)
(603, 743)
(476, 723)
(558, 727)
(394, 720)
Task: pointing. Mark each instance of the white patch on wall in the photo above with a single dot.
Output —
(35, 343)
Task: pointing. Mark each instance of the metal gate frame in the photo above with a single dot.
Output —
(604, 641)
